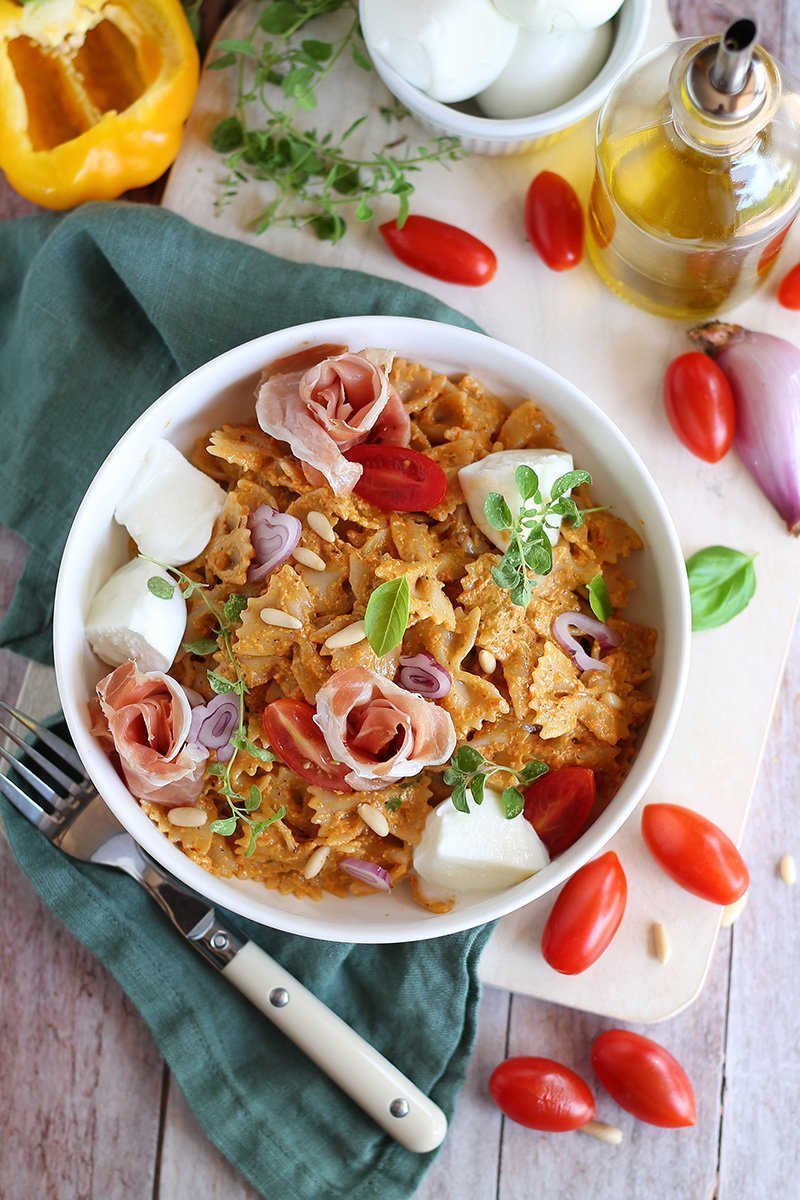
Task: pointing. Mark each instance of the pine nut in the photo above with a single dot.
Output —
(316, 862)
(187, 817)
(612, 700)
(283, 620)
(603, 1132)
(321, 525)
(308, 558)
(488, 662)
(376, 820)
(733, 911)
(788, 869)
(351, 635)
(661, 943)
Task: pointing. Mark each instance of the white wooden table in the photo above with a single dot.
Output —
(91, 1112)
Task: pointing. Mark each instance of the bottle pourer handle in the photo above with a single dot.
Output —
(734, 55)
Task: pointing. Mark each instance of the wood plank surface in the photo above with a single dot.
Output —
(92, 1115)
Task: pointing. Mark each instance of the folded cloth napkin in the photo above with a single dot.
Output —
(100, 312)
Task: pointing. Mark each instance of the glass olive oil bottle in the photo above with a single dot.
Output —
(697, 175)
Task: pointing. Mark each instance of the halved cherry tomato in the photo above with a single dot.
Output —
(554, 221)
(700, 405)
(558, 806)
(695, 853)
(789, 291)
(644, 1079)
(585, 916)
(541, 1094)
(397, 479)
(441, 250)
(296, 740)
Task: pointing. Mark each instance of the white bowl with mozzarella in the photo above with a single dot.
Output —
(570, 76)
(223, 390)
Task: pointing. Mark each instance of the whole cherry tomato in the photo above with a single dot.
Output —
(554, 221)
(644, 1079)
(297, 741)
(695, 853)
(441, 250)
(789, 291)
(585, 916)
(541, 1094)
(700, 405)
(397, 479)
(558, 806)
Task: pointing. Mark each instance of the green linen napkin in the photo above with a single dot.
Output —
(100, 312)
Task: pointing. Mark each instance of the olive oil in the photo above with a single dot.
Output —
(694, 188)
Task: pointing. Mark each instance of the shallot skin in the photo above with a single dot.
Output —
(764, 374)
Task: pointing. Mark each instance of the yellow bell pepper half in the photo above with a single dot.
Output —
(93, 95)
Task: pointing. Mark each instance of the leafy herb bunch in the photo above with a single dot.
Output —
(226, 618)
(314, 174)
(469, 770)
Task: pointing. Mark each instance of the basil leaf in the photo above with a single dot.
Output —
(386, 618)
(599, 599)
(201, 647)
(161, 588)
(527, 482)
(226, 826)
(459, 797)
(467, 759)
(722, 582)
(477, 787)
(513, 802)
(572, 479)
(220, 684)
(497, 512)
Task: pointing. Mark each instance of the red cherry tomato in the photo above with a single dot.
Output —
(644, 1079)
(789, 291)
(700, 405)
(441, 250)
(558, 806)
(695, 853)
(397, 479)
(554, 221)
(297, 741)
(541, 1094)
(585, 916)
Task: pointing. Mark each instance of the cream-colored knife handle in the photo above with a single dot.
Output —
(365, 1075)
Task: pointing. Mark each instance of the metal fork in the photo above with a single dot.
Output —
(69, 811)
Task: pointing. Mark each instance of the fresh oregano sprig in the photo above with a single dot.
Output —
(227, 619)
(529, 551)
(315, 176)
(468, 771)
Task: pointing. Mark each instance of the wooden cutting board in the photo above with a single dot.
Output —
(617, 355)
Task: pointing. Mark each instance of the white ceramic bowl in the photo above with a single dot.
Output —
(222, 390)
(491, 135)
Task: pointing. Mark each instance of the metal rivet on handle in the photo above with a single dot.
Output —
(219, 941)
(399, 1108)
(279, 997)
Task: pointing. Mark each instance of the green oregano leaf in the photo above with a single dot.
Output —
(233, 607)
(478, 787)
(527, 482)
(599, 599)
(219, 684)
(513, 802)
(201, 647)
(161, 588)
(468, 759)
(393, 804)
(565, 483)
(386, 617)
(722, 583)
(532, 770)
(459, 797)
(226, 826)
(253, 800)
(497, 512)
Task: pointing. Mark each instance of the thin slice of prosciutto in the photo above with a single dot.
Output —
(379, 730)
(147, 716)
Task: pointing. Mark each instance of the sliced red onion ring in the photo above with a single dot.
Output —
(424, 676)
(214, 724)
(367, 872)
(274, 536)
(602, 634)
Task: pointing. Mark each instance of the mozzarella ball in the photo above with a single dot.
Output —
(495, 473)
(126, 621)
(450, 50)
(543, 16)
(546, 70)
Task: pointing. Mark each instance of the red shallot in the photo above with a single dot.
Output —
(424, 676)
(764, 374)
(367, 872)
(605, 637)
(214, 724)
(274, 536)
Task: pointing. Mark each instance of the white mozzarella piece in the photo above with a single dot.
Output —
(126, 621)
(542, 16)
(170, 507)
(495, 473)
(478, 851)
(546, 70)
(451, 49)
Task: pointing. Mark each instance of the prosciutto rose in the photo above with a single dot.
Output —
(325, 409)
(379, 730)
(146, 716)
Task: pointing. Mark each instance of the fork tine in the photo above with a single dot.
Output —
(34, 754)
(56, 743)
(38, 785)
(29, 808)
